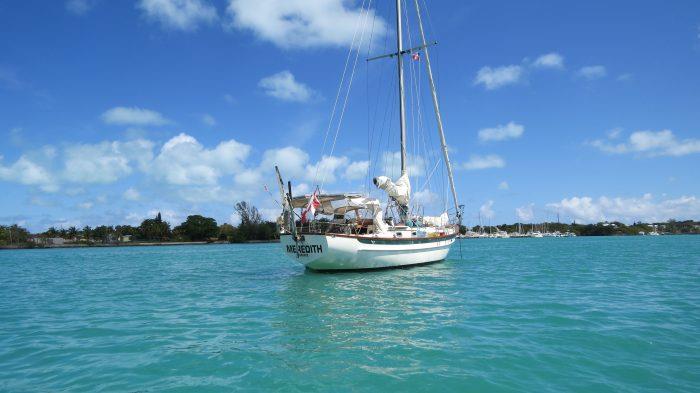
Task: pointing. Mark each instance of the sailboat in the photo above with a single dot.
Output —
(358, 232)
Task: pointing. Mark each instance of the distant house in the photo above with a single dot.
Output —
(125, 238)
(48, 241)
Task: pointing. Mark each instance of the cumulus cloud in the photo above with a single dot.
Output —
(550, 60)
(28, 172)
(504, 185)
(303, 23)
(356, 170)
(208, 120)
(592, 72)
(649, 144)
(132, 194)
(486, 210)
(511, 130)
(133, 116)
(291, 160)
(185, 15)
(104, 162)
(483, 162)
(284, 86)
(184, 161)
(646, 208)
(324, 171)
(525, 213)
(494, 78)
(79, 7)
(424, 197)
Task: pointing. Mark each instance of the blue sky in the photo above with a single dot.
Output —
(111, 111)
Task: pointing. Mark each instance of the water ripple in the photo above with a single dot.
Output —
(584, 314)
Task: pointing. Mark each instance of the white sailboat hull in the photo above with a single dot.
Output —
(344, 252)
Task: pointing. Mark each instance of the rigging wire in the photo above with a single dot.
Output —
(349, 88)
(340, 88)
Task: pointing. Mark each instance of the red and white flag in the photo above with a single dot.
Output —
(310, 207)
(415, 56)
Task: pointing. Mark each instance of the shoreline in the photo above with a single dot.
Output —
(134, 244)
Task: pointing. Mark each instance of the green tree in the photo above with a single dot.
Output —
(226, 232)
(13, 235)
(198, 228)
(155, 229)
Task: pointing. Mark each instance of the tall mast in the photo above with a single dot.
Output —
(436, 106)
(402, 105)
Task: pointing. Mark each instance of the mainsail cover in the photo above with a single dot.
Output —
(399, 190)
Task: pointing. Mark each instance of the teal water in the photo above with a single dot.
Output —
(580, 314)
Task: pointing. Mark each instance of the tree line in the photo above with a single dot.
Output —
(195, 228)
(614, 228)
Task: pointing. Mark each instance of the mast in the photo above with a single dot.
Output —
(402, 105)
(436, 106)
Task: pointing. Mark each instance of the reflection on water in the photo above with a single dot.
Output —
(370, 312)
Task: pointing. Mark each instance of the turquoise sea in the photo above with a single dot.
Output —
(539, 315)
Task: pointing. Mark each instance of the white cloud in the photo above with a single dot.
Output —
(324, 171)
(494, 78)
(134, 116)
(291, 161)
(650, 144)
(647, 208)
(28, 172)
(249, 178)
(284, 86)
(424, 197)
(483, 162)
(502, 132)
(185, 15)
(356, 170)
(525, 213)
(303, 23)
(86, 205)
(503, 185)
(625, 77)
(184, 161)
(592, 72)
(614, 133)
(132, 194)
(486, 210)
(550, 60)
(208, 120)
(229, 99)
(79, 7)
(104, 162)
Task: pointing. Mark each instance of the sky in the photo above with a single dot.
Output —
(111, 111)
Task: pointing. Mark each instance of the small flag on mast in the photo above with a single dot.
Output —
(415, 56)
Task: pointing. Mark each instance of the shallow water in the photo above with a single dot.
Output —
(575, 314)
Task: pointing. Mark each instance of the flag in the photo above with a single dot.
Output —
(415, 56)
(310, 207)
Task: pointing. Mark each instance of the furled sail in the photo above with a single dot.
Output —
(399, 190)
